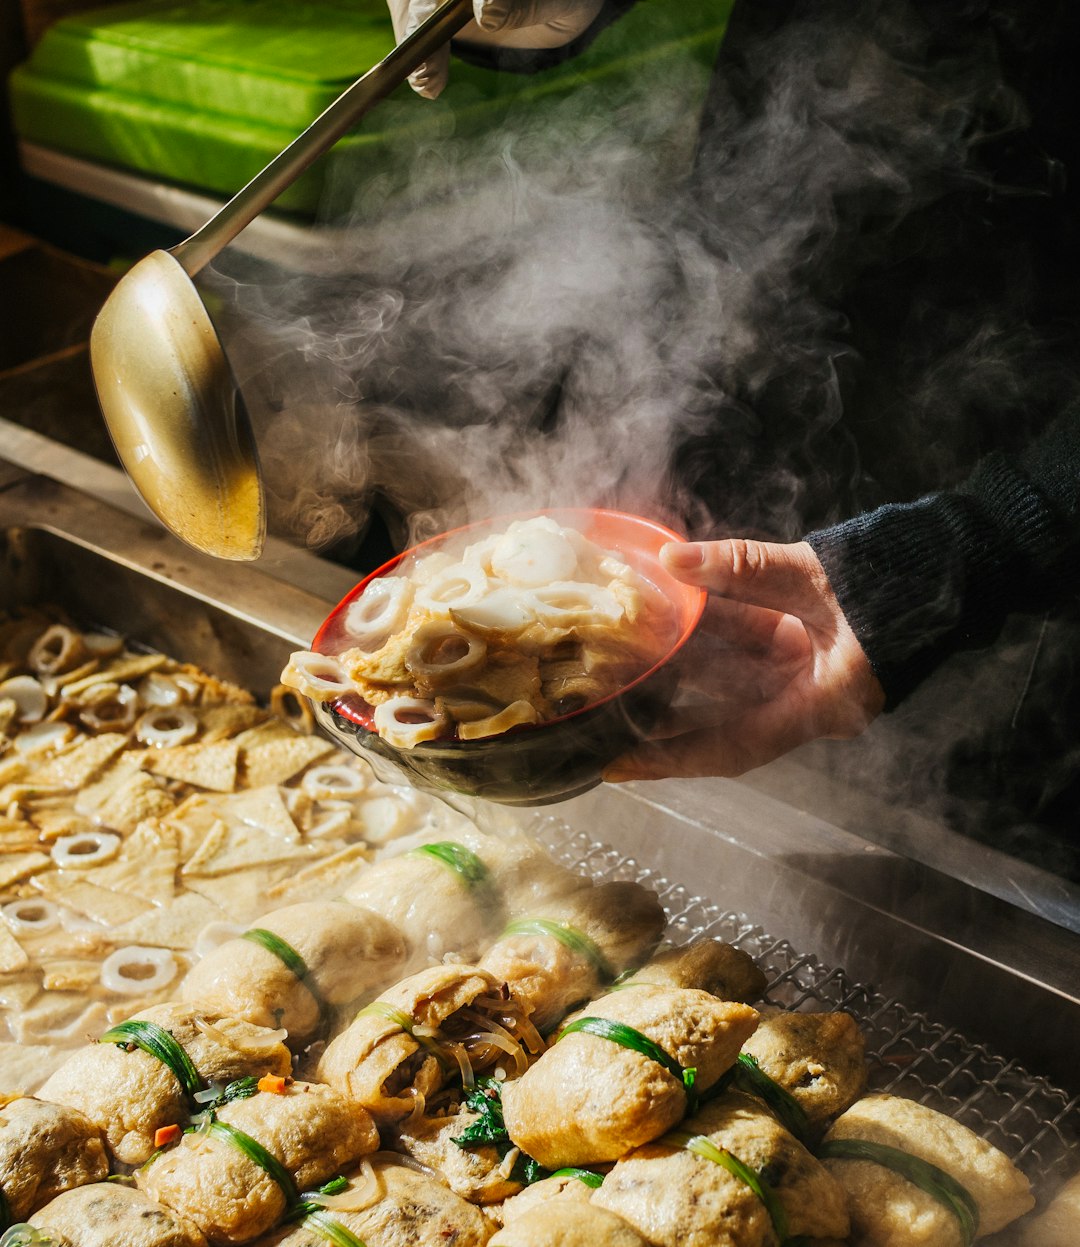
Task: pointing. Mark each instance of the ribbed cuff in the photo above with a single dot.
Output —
(922, 580)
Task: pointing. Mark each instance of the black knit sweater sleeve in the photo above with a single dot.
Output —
(921, 580)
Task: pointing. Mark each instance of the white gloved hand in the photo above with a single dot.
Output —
(498, 23)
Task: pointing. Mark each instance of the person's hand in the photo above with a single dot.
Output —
(505, 23)
(773, 664)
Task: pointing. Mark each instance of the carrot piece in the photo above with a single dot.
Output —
(274, 1083)
(164, 1135)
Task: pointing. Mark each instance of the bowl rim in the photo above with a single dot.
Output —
(521, 729)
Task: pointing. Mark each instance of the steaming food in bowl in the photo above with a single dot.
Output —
(501, 633)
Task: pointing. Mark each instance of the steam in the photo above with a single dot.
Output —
(562, 313)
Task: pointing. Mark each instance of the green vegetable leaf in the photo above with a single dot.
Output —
(156, 1042)
(291, 959)
(927, 1177)
(628, 1037)
(569, 937)
(583, 1175)
(705, 1147)
(750, 1077)
(489, 1128)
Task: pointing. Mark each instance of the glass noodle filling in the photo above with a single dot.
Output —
(522, 627)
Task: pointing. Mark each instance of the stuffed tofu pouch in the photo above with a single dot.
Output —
(46, 1149)
(128, 1093)
(819, 1059)
(568, 951)
(401, 1209)
(480, 1173)
(310, 1133)
(894, 1206)
(680, 1198)
(446, 1022)
(592, 1098)
(573, 1225)
(568, 1186)
(296, 965)
(109, 1215)
(709, 965)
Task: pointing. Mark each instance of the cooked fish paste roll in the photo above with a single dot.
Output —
(677, 1198)
(566, 952)
(129, 1093)
(296, 964)
(590, 1098)
(406, 1209)
(709, 965)
(109, 1215)
(210, 1177)
(575, 1225)
(890, 1210)
(46, 1149)
(422, 1032)
(819, 1059)
(439, 897)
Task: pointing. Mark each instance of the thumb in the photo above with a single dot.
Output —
(777, 577)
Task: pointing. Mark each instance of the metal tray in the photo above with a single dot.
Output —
(969, 1003)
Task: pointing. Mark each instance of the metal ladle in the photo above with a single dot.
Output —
(173, 409)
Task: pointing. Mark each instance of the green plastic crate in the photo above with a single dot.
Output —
(205, 92)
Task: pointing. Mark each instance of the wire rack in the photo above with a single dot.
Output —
(1034, 1122)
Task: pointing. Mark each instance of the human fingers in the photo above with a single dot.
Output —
(429, 78)
(785, 578)
(535, 23)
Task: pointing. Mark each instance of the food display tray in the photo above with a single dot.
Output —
(968, 1004)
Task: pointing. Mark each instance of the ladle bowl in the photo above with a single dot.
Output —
(168, 396)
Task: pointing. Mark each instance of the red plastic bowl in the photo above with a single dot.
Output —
(545, 762)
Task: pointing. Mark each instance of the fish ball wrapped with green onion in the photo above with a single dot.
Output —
(603, 1089)
(571, 948)
(443, 1022)
(144, 1073)
(244, 1170)
(709, 965)
(916, 1177)
(402, 1209)
(818, 1059)
(297, 965)
(107, 1214)
(573, 1225)
(682, 1198)
(46, 1149)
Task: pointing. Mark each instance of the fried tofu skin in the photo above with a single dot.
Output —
(409, 1210)
(46, 1149)
(399, 1050)
(679, 1199)
(818, 1058)
(561, 1188)
(709, 965)
(589, 1099)
(311, 1130)
(570, 1225)
(477, 1173)
(348, 952)
(549, 975)
(1059, 1224)
(108, 1215)
(889, 1211)
(128, 1095)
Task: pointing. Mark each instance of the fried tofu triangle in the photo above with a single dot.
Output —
(890, 1210)
(678, 1198)
(575, 1225)
(590, 1098)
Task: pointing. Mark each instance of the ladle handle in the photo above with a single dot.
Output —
(338, 118)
